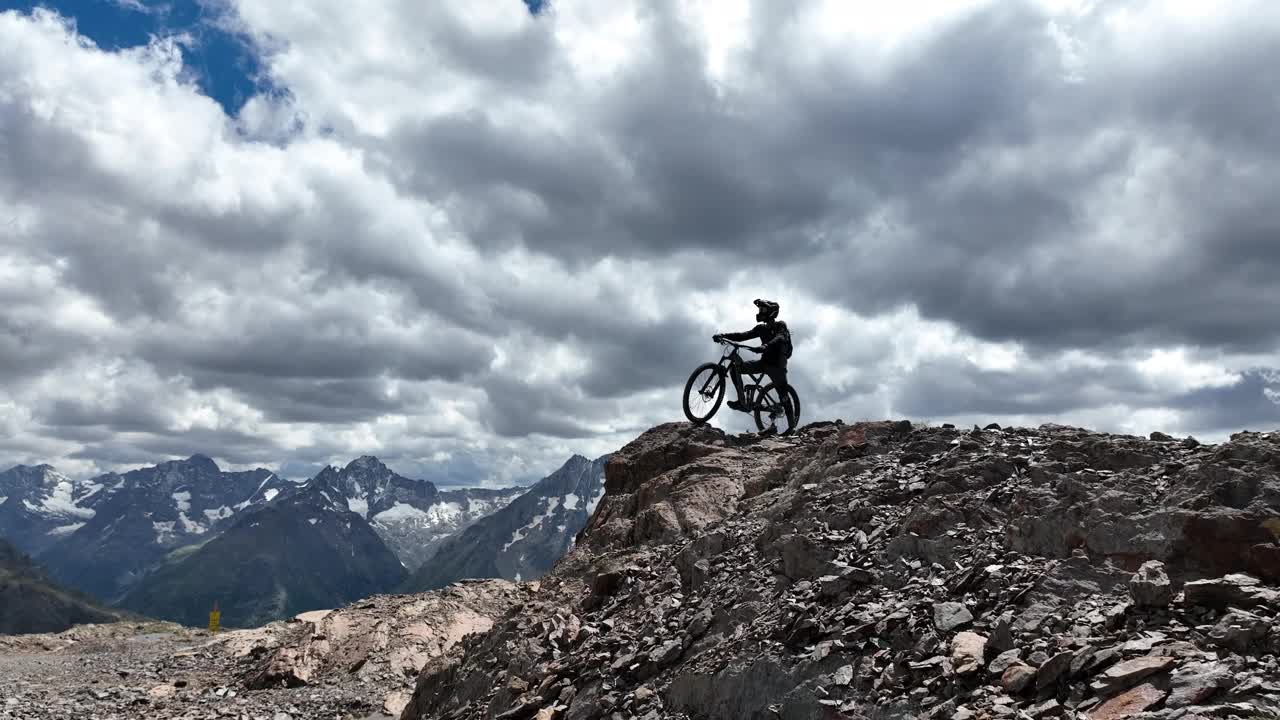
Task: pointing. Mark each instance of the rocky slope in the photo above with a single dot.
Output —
(30, 603)
(880, 570)
(524, 539)
(354, 662)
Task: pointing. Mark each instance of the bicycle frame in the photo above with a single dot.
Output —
(730, 358)
(702, 401)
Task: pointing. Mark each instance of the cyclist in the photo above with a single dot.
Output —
(774, 350)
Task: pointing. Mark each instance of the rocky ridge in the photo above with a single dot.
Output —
(881, 570)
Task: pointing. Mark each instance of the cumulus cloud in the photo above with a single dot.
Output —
(472, 240)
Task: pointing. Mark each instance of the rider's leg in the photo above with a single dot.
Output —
(749, 367)
(736, 375)
(778, 376)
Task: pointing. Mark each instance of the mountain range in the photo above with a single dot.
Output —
(169, 540)
(524, 539)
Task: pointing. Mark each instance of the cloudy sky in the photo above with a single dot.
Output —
(473, 238)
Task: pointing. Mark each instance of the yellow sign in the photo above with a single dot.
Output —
(1273, 525)
(215, 619)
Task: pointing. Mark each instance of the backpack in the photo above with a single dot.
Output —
(786, 340)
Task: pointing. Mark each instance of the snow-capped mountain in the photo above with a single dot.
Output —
(141, 516)
(39, 506)
(412, 516)
(524, 539)
(302, 550)
(169, 540)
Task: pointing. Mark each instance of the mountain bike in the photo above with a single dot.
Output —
(705, 389)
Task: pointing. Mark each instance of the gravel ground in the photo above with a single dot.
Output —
(117, 671)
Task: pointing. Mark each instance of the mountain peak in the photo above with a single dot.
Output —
(365, 462)
(202, 462)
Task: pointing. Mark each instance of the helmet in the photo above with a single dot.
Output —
(767, 310)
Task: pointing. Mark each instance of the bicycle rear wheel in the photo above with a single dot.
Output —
(703, 393)
(767, 410)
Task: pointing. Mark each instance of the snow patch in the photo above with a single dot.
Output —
(521, 533)
(60, 502)
(269, 494)
(188, 525)
(312, 521)
(66, 529)
(164, 530)
(182, 500)
(218, 514)
(445, 512)
(400, 512)
(357, 505)
(3, 498)
(595, 500)
(93, 489)
(571, 502)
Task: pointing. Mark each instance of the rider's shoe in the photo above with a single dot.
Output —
(737, 405)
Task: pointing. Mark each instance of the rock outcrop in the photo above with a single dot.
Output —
(884, 570)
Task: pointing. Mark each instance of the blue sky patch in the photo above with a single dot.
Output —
(223, 63)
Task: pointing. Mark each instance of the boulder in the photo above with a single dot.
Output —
(1238, 629)
(1128, 704)
(967, 649)
(1150, 586)
(1017, 677)
(948, 616)
(1126, 674)
(1236, 590)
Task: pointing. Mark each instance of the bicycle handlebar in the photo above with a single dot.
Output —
(738, 344)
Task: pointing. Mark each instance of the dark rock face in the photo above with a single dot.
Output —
(31, 603)
(880, 570)
(524, 539)
(1198, 510)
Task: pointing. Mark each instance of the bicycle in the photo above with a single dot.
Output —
(762, 401)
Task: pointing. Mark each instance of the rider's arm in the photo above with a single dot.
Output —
(751, 334)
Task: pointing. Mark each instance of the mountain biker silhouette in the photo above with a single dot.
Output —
(774, 350)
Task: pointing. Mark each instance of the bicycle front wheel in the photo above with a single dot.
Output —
(703, 393)
(770, 412)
